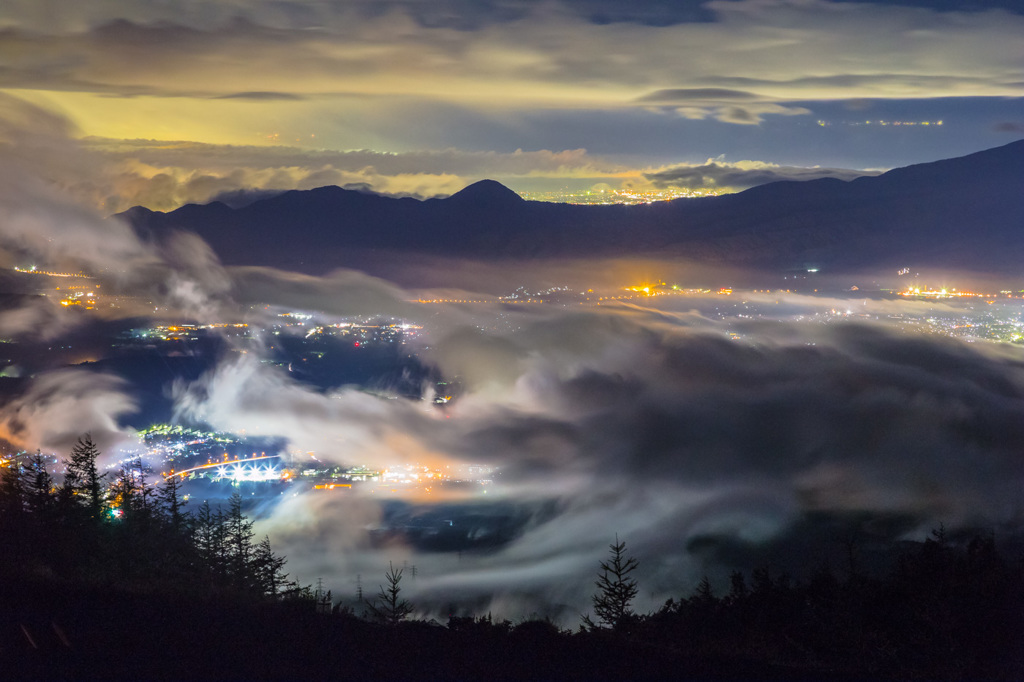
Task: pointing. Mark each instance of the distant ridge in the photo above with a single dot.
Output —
(965, 212)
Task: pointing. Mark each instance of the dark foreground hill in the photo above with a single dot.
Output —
(946, 614)
(966, 212)
(111, 582)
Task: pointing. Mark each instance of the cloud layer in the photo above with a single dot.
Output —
(490, 78)
(742, 175)
(550, 53)
(654, 423)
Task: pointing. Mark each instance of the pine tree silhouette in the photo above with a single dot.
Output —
(616, 590)
(388, 608)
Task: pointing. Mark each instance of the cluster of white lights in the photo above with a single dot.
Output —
(248, 472)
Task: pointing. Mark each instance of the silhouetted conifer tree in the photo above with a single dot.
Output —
(208, 536)
(704, 591)
(171, 502)
(388, 608)
(39, 486)
(14, 534)
(268, 569)
(238, 542)
(616, 590)
(125, 492)
(737, 586)
(13, 493)
(83, 478)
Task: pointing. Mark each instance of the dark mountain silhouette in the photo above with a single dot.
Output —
(486, 194)
(965, 212)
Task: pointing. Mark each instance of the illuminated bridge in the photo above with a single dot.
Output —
(255, 468)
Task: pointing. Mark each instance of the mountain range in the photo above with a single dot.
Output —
(966, 213)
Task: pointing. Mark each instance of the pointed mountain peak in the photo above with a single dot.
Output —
(486, 193)
(135, 213)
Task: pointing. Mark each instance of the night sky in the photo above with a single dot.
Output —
(179, 101)
(708, 444)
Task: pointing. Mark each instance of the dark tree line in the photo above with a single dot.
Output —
(78, 552)
(947, 611)
(131, 529)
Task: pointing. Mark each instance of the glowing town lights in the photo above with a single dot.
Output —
(240, 473)
(925, 292)
(251, 469)
(332, 486)
(620, 196)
